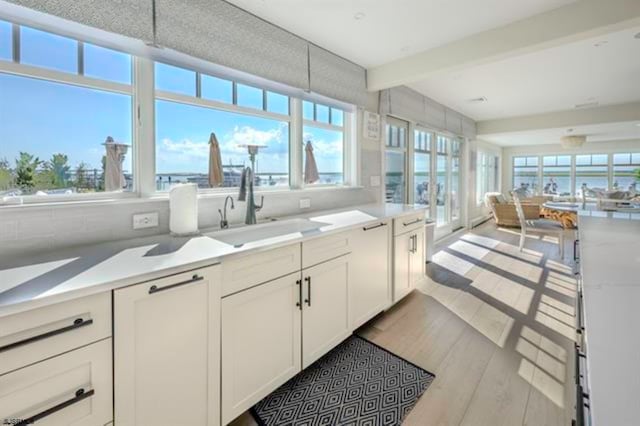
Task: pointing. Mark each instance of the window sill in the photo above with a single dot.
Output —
(132, 198)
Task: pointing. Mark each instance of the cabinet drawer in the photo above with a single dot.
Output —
(242, 272)
(408, 223)
(325, 248)
(41, 333)
(70, 389)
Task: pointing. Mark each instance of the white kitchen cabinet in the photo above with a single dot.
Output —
(261, 339)
(74, 388)
(325, 314)
(369, 288)
(166, 350)
(408, 262)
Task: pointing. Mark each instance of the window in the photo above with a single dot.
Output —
(626, 170)
(422, 167)
(556, 175)
(182, 146)
(395, 159)
(525, 173)
(65, 138)
(593, 171)
(486, 175)
(327, 143)
(70, 129)
(6, 41)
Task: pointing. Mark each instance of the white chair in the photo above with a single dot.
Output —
(539, 226)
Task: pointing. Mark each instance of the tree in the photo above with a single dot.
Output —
(26, 166)
(6, 177)
(60, 169)
(81, 179)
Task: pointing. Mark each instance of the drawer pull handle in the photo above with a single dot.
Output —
(77, 323)
(412, 222)
(155, 289)
(79, 396)
(368, 228)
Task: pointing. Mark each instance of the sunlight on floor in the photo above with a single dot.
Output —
(452, 263)
(543, 364)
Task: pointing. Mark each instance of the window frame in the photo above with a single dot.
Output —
(143, 122)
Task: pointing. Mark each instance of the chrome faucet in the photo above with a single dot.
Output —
(246, 181)
(224, 224)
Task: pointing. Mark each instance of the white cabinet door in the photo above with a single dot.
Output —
(369, 291)
(417, 259)
(166, 351)
(325, 320)
(261, 340)
(401, 265)
(72, 389)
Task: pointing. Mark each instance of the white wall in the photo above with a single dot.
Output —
(556, 149)
(478, 212)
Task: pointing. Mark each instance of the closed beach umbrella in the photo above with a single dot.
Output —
(113, 173)
(310, 166)
(216, 177)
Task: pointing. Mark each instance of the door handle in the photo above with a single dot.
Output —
(308, 299)
(79, 396)
(155, 289)
(77, 323)
(412, 222)
(368, 228)
(299, 302)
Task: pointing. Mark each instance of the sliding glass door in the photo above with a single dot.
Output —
(442, 181)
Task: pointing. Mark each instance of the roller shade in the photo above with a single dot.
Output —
(132, 18)
(404, 102)
(336, 78)
(224, 34)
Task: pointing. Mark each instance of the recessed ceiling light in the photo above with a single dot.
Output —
(586, 105)
(358, 16)
(479, 100)
(600, 43)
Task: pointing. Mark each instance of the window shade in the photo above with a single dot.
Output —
(335, 77)
(224, 34)
(132, 18)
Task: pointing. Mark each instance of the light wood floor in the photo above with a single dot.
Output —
(495, 325)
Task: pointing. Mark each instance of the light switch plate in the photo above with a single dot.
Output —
(374, 181)
(305, 203)
(145, 220)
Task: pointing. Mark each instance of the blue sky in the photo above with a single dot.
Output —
(44, 118)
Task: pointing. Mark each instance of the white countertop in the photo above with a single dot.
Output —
(40, 279)
(610, 269)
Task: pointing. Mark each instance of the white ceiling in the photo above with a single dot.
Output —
(555, 79)
(391, 29)
(595, 133)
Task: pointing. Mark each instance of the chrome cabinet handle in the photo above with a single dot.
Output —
(79, 396)
(368, 228)
(412, 222)
(299, 302)
(77, 323)
(308, 299)
(155, 289)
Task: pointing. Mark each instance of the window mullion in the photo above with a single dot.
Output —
(144, 125)
(295, 143)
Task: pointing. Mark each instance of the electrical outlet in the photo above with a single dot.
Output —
(374, 181)
(145, 220)
(305, 203)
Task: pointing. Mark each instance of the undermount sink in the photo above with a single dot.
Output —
(273, 229)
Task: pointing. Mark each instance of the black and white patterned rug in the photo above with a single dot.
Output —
(356, 383)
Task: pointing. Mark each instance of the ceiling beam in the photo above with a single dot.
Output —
(579, 117)
(573, 22)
